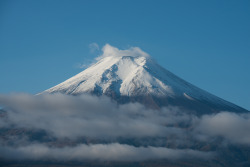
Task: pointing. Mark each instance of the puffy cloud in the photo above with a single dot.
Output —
(89, 116)
(110, 51)
(235, 128)
(113, 131)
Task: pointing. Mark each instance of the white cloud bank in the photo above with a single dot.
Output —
(88, 116)
(105, 122)
(109, 152)
(235, 128)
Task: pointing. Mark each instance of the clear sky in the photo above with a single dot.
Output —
(207, 43)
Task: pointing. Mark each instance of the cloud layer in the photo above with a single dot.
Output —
(235, 128)
(108, 152)
(89, 116)
(90, 127)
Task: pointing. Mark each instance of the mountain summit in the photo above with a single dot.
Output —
(132, 76)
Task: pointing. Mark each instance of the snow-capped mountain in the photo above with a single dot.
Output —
(131, 75)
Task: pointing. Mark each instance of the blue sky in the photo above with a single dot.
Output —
(206, 43)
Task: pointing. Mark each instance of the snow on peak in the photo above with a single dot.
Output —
(130, 73)
(120, 72)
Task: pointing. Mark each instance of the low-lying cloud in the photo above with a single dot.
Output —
(88, 116)
(233, 127)
(110, 152)
(97, 128)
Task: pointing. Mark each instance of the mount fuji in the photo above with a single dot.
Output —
(176, 123)
(133, 76)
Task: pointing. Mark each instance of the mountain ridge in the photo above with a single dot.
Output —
(132, 76)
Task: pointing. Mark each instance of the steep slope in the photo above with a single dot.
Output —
(131, 75)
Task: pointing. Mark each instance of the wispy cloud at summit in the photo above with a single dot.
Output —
(111, 51)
